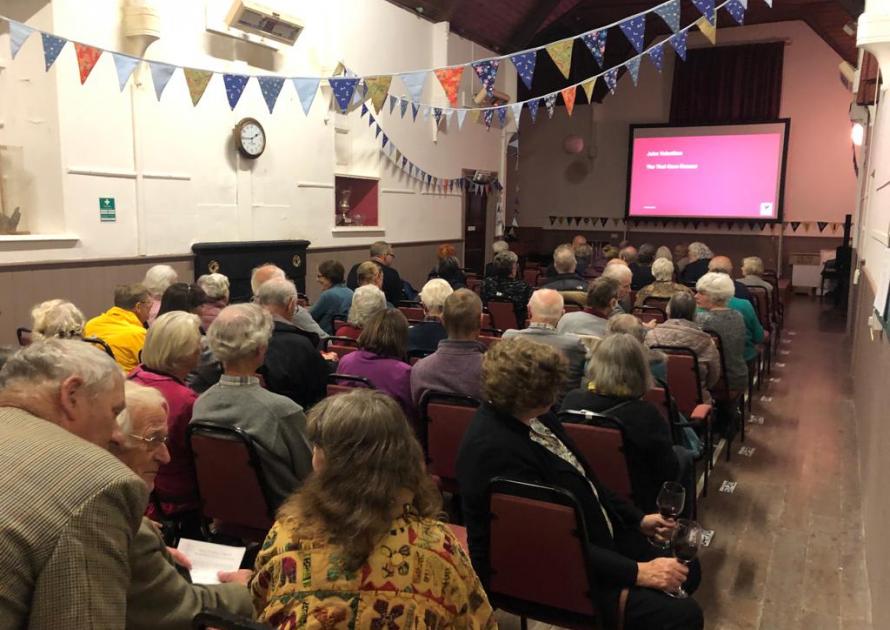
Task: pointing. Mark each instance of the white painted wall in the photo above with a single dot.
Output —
(172, 168)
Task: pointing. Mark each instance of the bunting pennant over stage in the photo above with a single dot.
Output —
(656, 54)
(568, 97)
(532, 107)
(525, 67)
(306, 88)
(596, 44)
(413, 82)
(707, 9)
(635, 31)
(52, 46)
(517, 112)
(633, 67)
(611, 79)
(561, 54)
(378, 89)
(707, 29)
(550, 103)
(160, 76)
(588, 89)
(449, 79)
(271, 88)
(670, 13)
(737, 10)
(18, 33)
(87, 56)
(678, 42)
(197, 81)
(124, 65)
(487, 71)
(235, 84)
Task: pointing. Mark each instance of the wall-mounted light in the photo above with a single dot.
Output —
(857, 134)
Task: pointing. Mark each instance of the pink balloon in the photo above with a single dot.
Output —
(573, 144)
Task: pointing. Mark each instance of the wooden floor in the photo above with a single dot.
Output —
(787, 552)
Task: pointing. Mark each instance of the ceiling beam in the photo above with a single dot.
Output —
(526, 29)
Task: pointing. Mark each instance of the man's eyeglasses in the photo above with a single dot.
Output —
(151, 442)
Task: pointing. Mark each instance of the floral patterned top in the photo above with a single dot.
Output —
(419, 577)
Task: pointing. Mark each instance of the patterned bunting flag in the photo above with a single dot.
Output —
(437, 114)
(707, 29)
(487, 117)
(378, 88)
(670, 13)
(588, 89)
(561, 53)
(633, 67)
(306, 88)
(235, 84)
(525, 66)
(271, 88)
(656, 54)
(18, 33)
(737, 10)
(449, 79)
(596, 44)
(377, 131)
(487, 71)
(384, 142)
(611, 79)
(414, 81)
(392, 103)
(461, 116)
(822, 225)
(87, 56)
(160, 76)
(532, 106)
(344, 88)
(197, 81)
(124, 64)
(415, 108)
(550, 103)
(707, 9)
(678, 42)
(517, 112)
(52, 46)
(502, 115)
(364, 111)
(568, 97)
(403, 107)
(635, 31)
(371, 120)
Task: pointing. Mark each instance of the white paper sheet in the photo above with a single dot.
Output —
(209, 558)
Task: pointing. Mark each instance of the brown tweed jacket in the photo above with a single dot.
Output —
(68, 514)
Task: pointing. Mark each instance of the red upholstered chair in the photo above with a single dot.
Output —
(412, 313)
(339, 323)
(474, 284)
(601, 440)
(341, 345)
(488, 340)
(340, 383)
(539, 561)
(722, 393)
(444, 420)
(531, 275)
(486, 320)
(647, 314)
(657, 302)
(231, 484)
(503, 314)
(572, 308)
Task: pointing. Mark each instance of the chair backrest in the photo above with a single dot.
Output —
(486, 320)
(658, 302)
(683, 376)
(721, 387)
(760, 298)
(412, 312)
(417, 354)
(24, 336)
(488, 340)
(648, 313)
(340, 383)
(303, 299)
(231, 483)
(445, 419)
(338, 323)
(341, 350)
(503, 315)
(601, 441)
(573, 308)
(474, 284)
(531, 275)
(539, 563)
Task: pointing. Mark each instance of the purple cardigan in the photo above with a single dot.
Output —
(389, 375)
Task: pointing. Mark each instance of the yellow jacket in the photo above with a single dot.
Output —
(121, 330)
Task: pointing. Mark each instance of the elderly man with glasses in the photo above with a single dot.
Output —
(382, 254)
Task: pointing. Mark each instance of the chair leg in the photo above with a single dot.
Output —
(742, 418)
(523, 623)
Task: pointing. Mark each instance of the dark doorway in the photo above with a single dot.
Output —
(475, 206)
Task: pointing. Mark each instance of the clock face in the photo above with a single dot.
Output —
(250, 138)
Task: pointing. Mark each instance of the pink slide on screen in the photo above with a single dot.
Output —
(726, 176)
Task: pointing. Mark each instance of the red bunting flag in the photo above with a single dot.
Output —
(87, 56)
(450, 80)
(568, 97)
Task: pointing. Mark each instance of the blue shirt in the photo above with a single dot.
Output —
(334, 302)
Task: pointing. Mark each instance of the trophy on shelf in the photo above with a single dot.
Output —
(343, 207)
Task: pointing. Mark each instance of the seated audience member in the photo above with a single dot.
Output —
(301, 317)
(515, 435)
(504, 285)
(619, 377)
(56, 318)
(181, 296)
(171, 351)
(216, 289)
(752, 270)
(713, 293)
(642, 267)
(70, 509)
(628, 253)
(157, 279)
(366, 301)
(426, 335)
(630, 325)
(583, 254)
(383, 256)
(610, 252)
(602, 298)
(722, 264)
(663, 286)
(382, 357)
(336, 538)
(699, 257)
(292, 367)
(496, 248)
(456, 366)
(545, 309)
(450, 271)
(240, 338)
(664, 252)
(159, 596)
(682, 331)
(621, 273)
(368, 273)
(681, 257)
(565, 278)
(335, 298)
(122, 327)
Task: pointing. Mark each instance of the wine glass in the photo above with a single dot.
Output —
(685, 543)
(670, 502)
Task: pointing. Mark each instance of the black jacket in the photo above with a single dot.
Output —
(566, 282)
(498, 445)
(426, 335)
(694, 270)
(650, 453)
(642, 276)
(293, 367)
(512, 289)
(742, 292)
(392, 282)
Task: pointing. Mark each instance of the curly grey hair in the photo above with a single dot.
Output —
(239, 331)
(51, 361)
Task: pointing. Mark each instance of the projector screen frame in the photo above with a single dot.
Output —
(782, 171)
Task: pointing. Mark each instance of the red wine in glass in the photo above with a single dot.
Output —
(685, 543)
(670, 501)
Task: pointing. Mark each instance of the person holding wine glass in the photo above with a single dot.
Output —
(670, 501)
(515, 435)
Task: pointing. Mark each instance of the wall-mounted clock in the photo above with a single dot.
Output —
(250, 138)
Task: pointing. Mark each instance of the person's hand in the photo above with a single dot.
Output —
(657, 527)
(330, 356)
(664, 574)
(242, 576)
(180, 558)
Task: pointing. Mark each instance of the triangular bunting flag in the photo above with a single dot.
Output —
(678, 42)
(371, 120)
(707, 10)
(344, 88)
(271, 88)
(360, 93)
(487, 117)
(611, 79)
(426, 112)
(656, 54)
(487, 71)
(87, 56)
(822, 225)
(160, 76)
(415, 108)
(378, 88)
(588, 89)
(461, 115)
(795, 225)
(707, 29)
(502, 115)
(633, 67)
(414, 83)
(197, 81)
(449, 79)
(18, 33)
(533, 108)
(596, 44)
(561, 53)
(552, 219)
(364, 110)
(403, 107)
(235, 84)
(392, 103)
(384, 141)
(550, 103)
(635, 31)
(603, 221)
(737, 10)
(525, 66)
(52, 46)
(124, 64)
(670, 13)
(568, 97)
(437, 114)
(769, 3)
(306, 88)
(517, 112)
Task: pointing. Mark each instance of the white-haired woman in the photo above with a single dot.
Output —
(699, 258)
(158, 279)
(664, 252)
(366, 300)
(752, 270)
(216, 290)
(664, 286)
(171, 351)
(56, 318)
(713, 292)
(425, 336)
